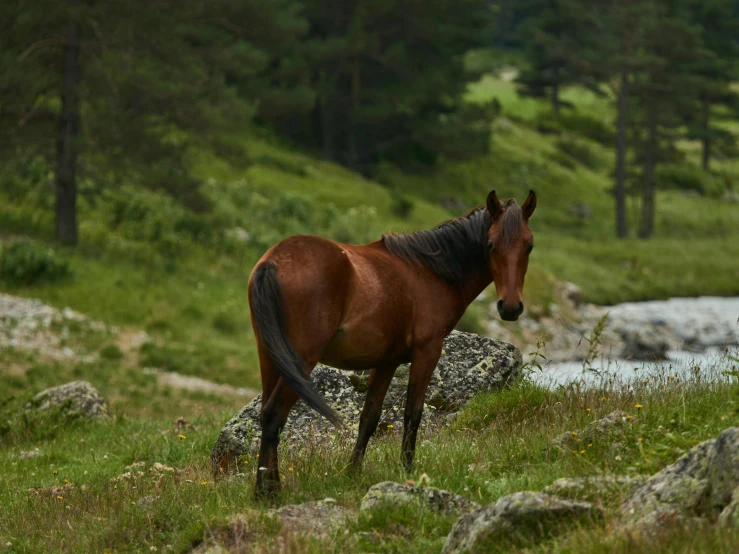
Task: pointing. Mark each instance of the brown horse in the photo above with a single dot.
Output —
(376, 306)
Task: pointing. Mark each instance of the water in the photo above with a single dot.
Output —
(709, 324)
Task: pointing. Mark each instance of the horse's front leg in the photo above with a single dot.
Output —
(423, 362)
(379, 381)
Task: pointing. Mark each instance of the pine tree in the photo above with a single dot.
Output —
(389, 79)
(129, 87)
(561, 45)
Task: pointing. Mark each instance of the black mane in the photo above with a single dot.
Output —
(457, 247)
(452, 250)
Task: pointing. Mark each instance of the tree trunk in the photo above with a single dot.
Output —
(647, 207)
(68, 128)
(354, 163)
(706, 134)
(622, 230)
(555, 98)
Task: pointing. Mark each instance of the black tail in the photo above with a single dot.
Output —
(269, 319)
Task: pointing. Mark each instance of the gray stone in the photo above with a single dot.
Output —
(518, 519)
(697, 487)
(85, 399)
(318, 518)
(470, 364)
(730, 515)
(595, 487)
(395, 494)
(610, 426)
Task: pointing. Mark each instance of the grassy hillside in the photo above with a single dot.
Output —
(146, 261)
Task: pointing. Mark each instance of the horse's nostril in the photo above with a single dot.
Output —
(520, 308)
(500, 306)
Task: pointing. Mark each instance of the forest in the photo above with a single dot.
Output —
(103, 94)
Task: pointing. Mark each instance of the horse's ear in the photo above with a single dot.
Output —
(529, 205)
(494, 206)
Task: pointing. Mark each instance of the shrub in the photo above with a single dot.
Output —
(111, 352)
(688, 177)
(25, 262)
(402, 206)
(580, 124)
(579, 151)
(225, 323)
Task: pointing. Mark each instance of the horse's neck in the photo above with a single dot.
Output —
(477, 282)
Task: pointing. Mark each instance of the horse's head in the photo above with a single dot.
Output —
(510, 242)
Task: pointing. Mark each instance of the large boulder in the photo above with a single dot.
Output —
(82, 397)
(469, 364)
(517, 519)
(595, 487)
(395, 494)
(699, 486)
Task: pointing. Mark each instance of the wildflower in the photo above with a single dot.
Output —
(153, 549)
(246, 462)
(587, 410)
(722, 418)
(645, 381)
(574, 451)
(182, 437)
(391, 426)
(54, 472)
(552, 424)
(66, 481)
(579, 440)
(582, 452)
(289, 469)
(640, 439)
(661, 384)
(203, 483)
(628, 417)
(639, 406)
(590, 445)
(670, 378)
(603, 398)
(60, 497)
(574, 433)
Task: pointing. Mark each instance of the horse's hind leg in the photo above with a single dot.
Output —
(274, 416)
(423, 362)
(379, 381)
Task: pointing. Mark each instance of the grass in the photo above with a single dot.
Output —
(494, 448)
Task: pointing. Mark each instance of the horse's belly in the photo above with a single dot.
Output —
(357, 349)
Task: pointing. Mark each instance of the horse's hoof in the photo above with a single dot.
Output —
(267, 490)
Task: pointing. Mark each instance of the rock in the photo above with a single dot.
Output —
(517, 519)
(570, 292)
(609, 426)
(25, 454)
(580, 210)
(730, 515)
(319, 518)
(644, 343)
(395, 494)
(595, 487)
(470, 364)
(85, 399)
(697, 487)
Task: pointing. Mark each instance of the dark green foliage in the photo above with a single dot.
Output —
(111, 352)
(224, 323)
(580, 151)
(402, 204)
(24, 262)
(688, 177)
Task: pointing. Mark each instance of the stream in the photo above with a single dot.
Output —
(704, 329)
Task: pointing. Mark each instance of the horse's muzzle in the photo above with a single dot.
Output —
(507, 313)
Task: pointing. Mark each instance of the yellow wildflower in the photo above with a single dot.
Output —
(203, 483)
(603, 398)
(391, 426)
(640, 439)
(587, 410)
(66, 481)
(60, 497)
(639, 406)
(582, 452)
(590, 445)
(289, 469)
(182, 437)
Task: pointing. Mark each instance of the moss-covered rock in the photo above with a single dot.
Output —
(81, 397)
(518, 519)
(596, 487)
(395, 494)
(698, 487)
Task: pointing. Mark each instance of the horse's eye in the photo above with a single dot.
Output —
(530, 249)
(491, 246)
